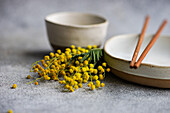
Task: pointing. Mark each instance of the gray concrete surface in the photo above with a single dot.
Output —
(23, 40)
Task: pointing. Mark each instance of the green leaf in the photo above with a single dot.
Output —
(94, 54)
(90, 55)
(84, 57)
(94, 57)
(98, 55)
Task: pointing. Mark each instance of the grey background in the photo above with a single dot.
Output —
(23, 40)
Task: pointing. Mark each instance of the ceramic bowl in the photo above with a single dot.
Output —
(72, 28)
(154, 69)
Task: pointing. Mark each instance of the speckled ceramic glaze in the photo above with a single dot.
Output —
(79, 29)
(155, 68)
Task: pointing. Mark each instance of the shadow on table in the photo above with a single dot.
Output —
(113, 79)
(37, 54)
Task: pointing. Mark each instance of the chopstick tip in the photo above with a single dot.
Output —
(135, 67)
(147, 16)
(131, 67)
(137, 64)
(166, 21)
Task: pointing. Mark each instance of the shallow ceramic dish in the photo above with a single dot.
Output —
(79, 29)
(155, 68)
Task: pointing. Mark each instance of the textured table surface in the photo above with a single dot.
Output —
(23, 40)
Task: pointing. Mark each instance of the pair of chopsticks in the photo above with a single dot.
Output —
(135, 64)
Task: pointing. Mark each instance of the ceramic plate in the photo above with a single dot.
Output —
(155, 68)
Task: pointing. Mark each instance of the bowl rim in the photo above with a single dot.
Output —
(144, 64)
(75, 25)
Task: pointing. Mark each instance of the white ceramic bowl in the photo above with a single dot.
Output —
(155, 68)
(79, 29)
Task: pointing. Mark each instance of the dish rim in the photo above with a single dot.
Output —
(145, 64)
(105, 21)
